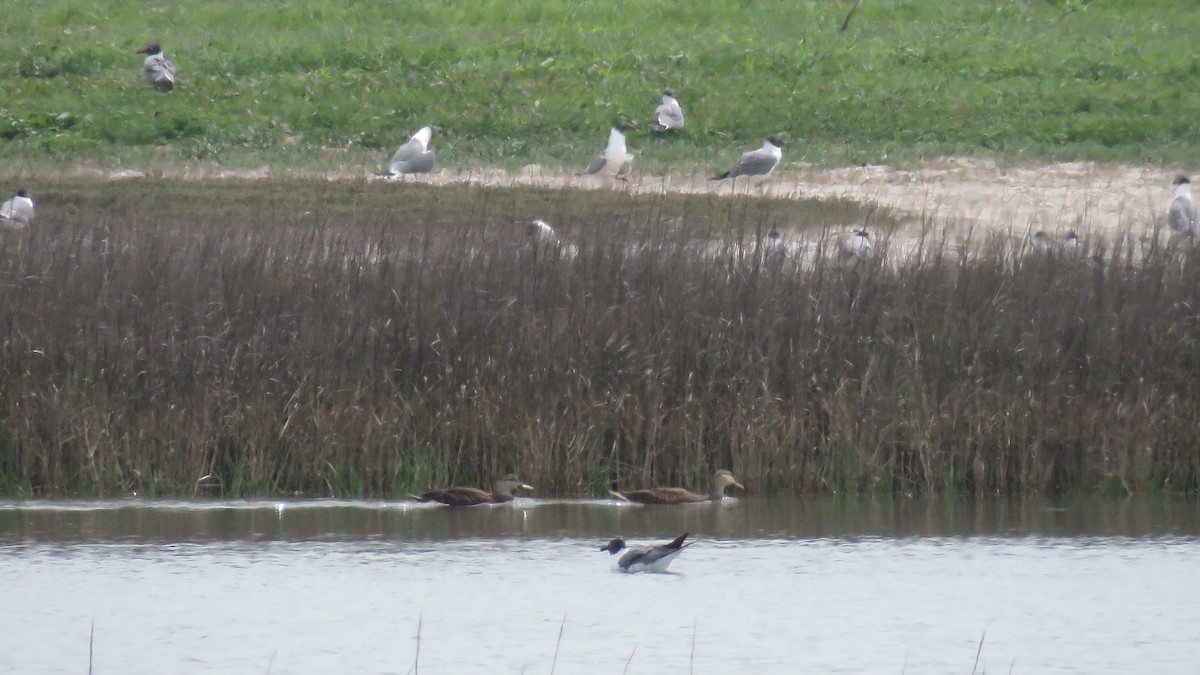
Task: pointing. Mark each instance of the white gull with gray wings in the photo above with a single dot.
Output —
(757, 163)
(415, 156)
(654, 558)
(1181, 216)
(615, 161)
(668, 116)
(19, 209)
(157, 69)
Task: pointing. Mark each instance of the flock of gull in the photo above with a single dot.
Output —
(416, 156)
(653, 558)
(613, 162)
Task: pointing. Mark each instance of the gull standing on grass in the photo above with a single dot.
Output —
(1181, 217)
(654, 558)
(615, 161)
(415, 156)
(668, 116)
(158, 70)
(757, 163)
(19, 209)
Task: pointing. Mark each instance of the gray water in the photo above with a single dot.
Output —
(770, 586)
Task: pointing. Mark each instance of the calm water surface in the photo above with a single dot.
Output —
(770, 586)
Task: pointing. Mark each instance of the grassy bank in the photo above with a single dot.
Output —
(318, 84)
(364, 339)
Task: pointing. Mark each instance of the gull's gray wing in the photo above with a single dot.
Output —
(667, 117)
(639, 555)
(159, 71)
(1182, 216)
(597, 164)
(6, 210)
(407, 152)
(422, 162)
(754, 163)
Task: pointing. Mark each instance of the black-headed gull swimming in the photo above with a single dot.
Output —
(654, 558)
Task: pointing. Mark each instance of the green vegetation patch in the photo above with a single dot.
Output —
(516, 82)
(365, 338)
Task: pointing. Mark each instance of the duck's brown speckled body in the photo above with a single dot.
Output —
(469, 496)
(674, 495)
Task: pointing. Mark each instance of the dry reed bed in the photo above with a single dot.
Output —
(358, 340)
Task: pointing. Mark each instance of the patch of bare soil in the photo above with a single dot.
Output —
(951, 196)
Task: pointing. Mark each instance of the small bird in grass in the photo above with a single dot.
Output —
(541, 232)
(469, 496)
(675, 495)
(1071, 247)
(542, 237)
(654, 558)
(415, 156)
(615, 161)
(1039, 242)
(19, 209)
(157, 69)
(773, 243)
(1181, 216)
(757, 163)
(857, 248)
(668, 116)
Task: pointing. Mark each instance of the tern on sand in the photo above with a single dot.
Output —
(158, 70)
(415, 156)
(668, 116)
(654, 558)
(19, 209)
(615, 161)
(1181, 216)
(757, 163)
(469, 496)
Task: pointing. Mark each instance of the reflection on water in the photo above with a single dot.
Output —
(773, 586)
(748, 518)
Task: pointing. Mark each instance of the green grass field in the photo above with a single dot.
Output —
(309, 83)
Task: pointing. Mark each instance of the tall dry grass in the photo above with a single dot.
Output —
(362, 340)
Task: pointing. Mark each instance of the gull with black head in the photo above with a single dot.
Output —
(655, 558)
(157, 70)
(615, 161)
(19, 209)
(1181, 215)
(757, 163)
(668, 116)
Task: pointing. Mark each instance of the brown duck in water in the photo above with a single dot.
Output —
(674, 495)
(469, 496)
